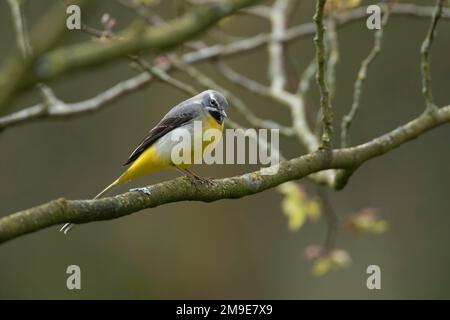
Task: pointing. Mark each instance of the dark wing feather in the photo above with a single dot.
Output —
(178, 116)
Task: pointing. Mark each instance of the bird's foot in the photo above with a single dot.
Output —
(144, 190)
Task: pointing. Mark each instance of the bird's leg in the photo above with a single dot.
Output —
(196, 179)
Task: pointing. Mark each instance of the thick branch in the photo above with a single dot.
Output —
(83, 211)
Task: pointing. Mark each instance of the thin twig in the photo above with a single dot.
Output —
(303, 30)
(20, 27)
(305, 79)
(243, 81)
(333, 55)
(361, 77)
(157, 72)
(163, 76)
(294, 102)
(235, 101)
(325, 104)
(425, 57)
(69, 110)
(275, 48)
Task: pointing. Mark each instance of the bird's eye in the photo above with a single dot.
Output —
(214, 103)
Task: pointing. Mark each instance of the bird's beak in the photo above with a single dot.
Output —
(223, 113)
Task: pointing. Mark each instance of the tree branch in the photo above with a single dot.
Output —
(325, 104)
(275, 47)
(425, 56)
(82, 211)
(135, 39)
(361, 77)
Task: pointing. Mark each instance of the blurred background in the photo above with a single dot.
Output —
(232, 249)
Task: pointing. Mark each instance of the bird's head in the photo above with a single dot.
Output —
(215, 104)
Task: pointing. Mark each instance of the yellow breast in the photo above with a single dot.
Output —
(211, 123)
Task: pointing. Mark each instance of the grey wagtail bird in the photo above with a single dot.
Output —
(155, 151)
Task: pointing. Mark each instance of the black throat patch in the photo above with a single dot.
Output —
(217, 115)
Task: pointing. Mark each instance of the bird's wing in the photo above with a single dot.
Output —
(175, 118)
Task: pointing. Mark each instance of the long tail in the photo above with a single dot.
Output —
(112, 185)
(69, 226)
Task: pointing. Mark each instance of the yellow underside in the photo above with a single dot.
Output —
(150, 161)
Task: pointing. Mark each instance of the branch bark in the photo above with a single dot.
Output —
(325, 103)
(135, 39)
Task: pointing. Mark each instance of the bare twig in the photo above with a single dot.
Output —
(294, 102)
(425, 57)
(68, 110)
(275, 47)
(23, 41)
(361, 77)
(333, 55)
(307, 76)
(303, 30)
(163, 76)
(243, 81)
(158, 72)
